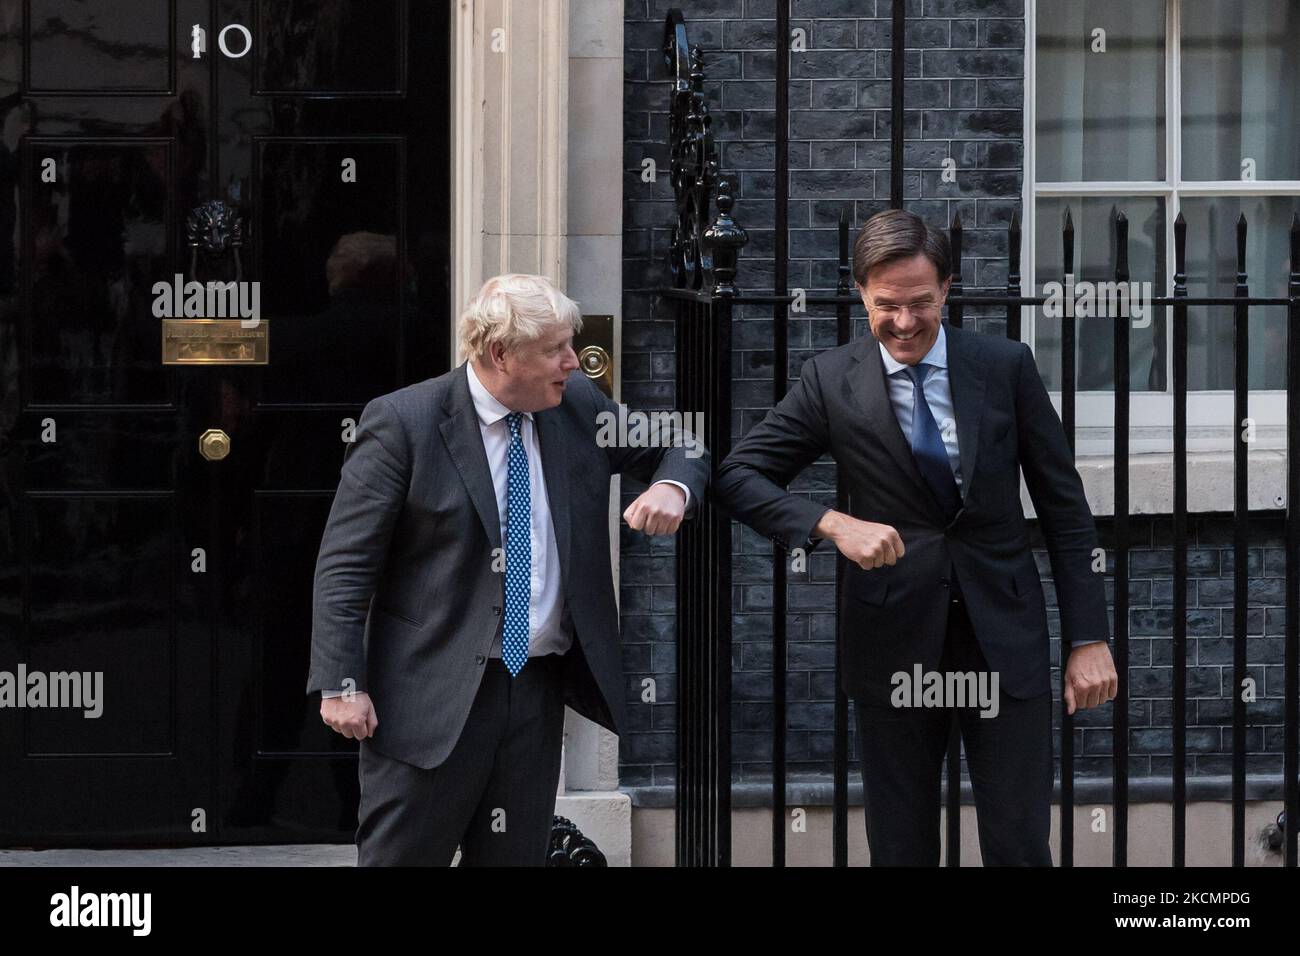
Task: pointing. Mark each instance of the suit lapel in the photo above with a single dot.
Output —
(555, 466)
(870, 392)
(966, 380)
(464, 441)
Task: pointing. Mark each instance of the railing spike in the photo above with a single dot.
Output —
(1295, 249)
(1241, 247)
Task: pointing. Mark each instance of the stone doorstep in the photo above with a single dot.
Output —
(604, 817)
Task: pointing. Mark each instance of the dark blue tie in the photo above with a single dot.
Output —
(927, 446)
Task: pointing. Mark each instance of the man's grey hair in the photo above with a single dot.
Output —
(513, 309)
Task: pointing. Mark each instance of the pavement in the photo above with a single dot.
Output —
(304, 854)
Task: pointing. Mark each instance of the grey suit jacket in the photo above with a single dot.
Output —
(895, 616)
(406, 602)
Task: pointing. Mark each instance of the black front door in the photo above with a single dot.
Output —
(163, 577)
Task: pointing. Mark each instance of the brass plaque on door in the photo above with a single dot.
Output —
(214, 342)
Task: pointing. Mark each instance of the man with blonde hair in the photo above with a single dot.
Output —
(473, 511)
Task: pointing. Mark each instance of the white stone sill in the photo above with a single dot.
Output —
(1151, 482)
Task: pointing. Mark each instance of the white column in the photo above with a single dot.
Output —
(510, 141)
(530, 79)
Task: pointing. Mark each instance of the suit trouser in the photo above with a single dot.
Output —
(494, 795)
(1008, 757)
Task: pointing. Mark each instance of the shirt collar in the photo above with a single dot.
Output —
(489, 409)
(937, 356)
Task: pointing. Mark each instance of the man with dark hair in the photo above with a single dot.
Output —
(932, 426)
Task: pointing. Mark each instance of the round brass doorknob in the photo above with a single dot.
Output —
(594, 361)
(214, 444)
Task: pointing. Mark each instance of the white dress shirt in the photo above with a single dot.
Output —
(938, 395)
(546, 604)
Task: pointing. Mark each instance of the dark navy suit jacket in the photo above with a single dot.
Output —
(408, 598)
(896, 616)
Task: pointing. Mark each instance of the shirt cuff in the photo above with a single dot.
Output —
(669, 481)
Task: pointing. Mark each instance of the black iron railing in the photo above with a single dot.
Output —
(703, 267)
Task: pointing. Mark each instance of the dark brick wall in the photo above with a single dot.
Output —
(964, 94)
(1210, 568)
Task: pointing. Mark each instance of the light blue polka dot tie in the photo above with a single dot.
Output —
(519, 552)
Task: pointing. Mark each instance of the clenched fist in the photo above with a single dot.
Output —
(352, 716)
(1090, 678)
(659, 510)
(866, 543)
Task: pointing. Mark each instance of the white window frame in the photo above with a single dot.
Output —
(1209, 423)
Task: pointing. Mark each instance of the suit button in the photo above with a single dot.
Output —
(496, 611)
(480, 659)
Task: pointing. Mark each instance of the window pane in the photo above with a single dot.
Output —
(1239, 88)
(1212, 270)
(1094, 260)
(1100, 115)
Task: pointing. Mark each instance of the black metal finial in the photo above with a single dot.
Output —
(1294, 281)
(1121, 247)
(842, 286)
(1067, 244)
(1241, 248)
(954, 241)
(703, 250)
(721, 244)
(1180, 253)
